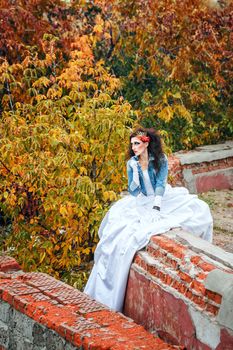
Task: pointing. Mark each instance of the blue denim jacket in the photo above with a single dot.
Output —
(158, 178)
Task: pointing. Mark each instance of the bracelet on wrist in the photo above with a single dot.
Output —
(156, 207)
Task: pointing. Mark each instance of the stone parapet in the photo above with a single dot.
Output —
(38, 312)
(203, 169)
(181, 287)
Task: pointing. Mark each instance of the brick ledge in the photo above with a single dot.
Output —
(74, 316)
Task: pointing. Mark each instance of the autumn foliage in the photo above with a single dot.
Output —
(75, 77)
(175, 59)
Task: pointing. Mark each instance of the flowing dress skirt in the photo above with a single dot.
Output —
(127, 228)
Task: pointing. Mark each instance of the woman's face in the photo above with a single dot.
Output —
(138, 146)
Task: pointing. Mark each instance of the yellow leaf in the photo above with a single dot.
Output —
(177, 95)
(166, 114)
(63, 211)
(86, 251)
(42, 257)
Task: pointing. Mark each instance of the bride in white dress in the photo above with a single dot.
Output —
(152, 207)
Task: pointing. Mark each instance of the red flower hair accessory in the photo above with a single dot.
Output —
(145, 138)
(142, 136)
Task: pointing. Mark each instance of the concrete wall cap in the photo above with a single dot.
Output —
(206, 153)
(219, 282)
(207, 331)
(218, 146)
(149, 259)
(222, 283)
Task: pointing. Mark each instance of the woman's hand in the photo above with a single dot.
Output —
(157, 202)
(134, 186)
(155, 214)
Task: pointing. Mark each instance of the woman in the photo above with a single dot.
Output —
(152, 207)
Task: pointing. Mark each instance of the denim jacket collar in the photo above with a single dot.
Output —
(150, 158)
(158, 178)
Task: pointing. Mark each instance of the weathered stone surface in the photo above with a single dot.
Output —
(206, 153)
(22, 324)
(38, 334)
(4, 312)
(4, 334)
(16, 340)
(27, 345)
(222, 283)
(207, 331)
(70, 347)
(54, 341)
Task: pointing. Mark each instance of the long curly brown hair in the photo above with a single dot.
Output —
(155, 147)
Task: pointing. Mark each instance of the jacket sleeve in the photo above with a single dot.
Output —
(161, 177)
(134, 187)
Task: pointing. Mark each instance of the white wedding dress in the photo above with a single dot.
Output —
(127, 228)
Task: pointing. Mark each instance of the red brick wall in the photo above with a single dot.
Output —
(175, 171)
(204, 176)
(167, 292)
(38, 299)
